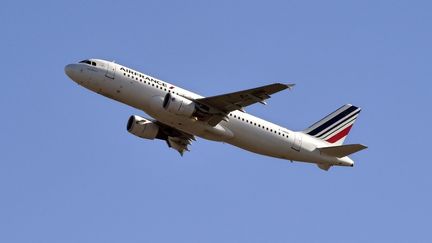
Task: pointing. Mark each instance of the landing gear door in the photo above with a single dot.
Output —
(111, 68)
(297, 142)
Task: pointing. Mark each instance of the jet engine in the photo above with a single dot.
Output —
(142, 128)
(179, 105)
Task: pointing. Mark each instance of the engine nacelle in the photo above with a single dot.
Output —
(179, 105)
(142, 128)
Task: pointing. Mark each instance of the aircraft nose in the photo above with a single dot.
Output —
(72, 71)
(69, 70)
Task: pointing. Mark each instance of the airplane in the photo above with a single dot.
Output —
(179, 116)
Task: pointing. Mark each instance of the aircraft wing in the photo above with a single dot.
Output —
(175, 138)
(226, 103)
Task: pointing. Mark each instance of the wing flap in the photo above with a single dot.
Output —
(179, 144)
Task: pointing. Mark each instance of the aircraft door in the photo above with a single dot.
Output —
(297, 143)
(111, 68)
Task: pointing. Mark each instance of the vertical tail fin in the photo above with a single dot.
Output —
(335, 127)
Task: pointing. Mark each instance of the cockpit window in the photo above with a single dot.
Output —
(86, 61)
(93, 64)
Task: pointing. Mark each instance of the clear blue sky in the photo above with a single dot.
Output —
(70, 172)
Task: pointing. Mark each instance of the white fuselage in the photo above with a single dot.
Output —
(241, 129)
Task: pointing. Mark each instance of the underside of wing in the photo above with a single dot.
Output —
(175, 138)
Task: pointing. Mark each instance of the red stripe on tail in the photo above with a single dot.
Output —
(340, 135)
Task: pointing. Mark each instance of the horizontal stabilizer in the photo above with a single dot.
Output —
(342, 150)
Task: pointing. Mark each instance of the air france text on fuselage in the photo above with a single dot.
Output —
(144, 77)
